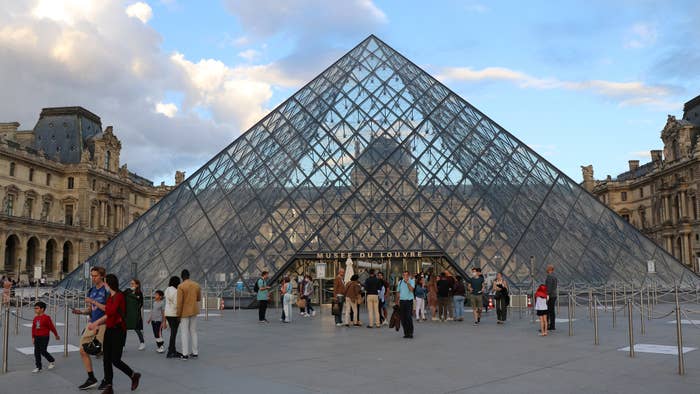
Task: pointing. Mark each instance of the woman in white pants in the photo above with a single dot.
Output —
(421, 294)
(287, 299)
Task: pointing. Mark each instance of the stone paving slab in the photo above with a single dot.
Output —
(311, 355)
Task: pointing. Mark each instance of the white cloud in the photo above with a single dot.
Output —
(65, 11)
(641, 35)
(626, 93)
(249, 54)
(140, 11)
(167, 109)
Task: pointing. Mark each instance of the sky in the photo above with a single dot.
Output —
(581, 82)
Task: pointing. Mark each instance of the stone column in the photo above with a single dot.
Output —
(684, 249)
(3, 239)
(683, 205)
(41, 258)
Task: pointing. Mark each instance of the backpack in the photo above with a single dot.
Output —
(256, 288)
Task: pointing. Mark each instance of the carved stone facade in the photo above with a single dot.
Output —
(660, 198)
(64, 193)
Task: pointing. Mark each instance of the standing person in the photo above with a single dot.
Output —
(96, 299)
(459, 294)
(372, 287)
(6, 290)
(156, 319)
(541, 308)
(421, 296)
(134, 310)
(551, 282)
(382, 296)
(353, 294)
(189, 295)
(263, 296)
(443, 292)
(301, 284)
(308, 293)
(406, 287)
(339, 295)
(287, 307)
(171, 318)
(42, 327)
(433, 296)
(476, 293)
(115, 336)
(500, 291)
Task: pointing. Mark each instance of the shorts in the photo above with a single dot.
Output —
(476, 300)
(88, 334)
(542, 312)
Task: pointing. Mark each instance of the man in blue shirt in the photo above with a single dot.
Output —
(95, 301)
(263, 297)
(406, 286)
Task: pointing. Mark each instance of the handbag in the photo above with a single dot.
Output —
(335, 309)
(94, 347)
(301, 303)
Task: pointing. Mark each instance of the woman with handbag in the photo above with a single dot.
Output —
(115, 336)
(287, 299)
(353, 296)
(500, 291)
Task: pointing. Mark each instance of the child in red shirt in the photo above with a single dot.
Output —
(42, 326)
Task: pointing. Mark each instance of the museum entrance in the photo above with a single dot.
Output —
(323, 267)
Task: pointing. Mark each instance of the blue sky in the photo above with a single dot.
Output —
(582, 82)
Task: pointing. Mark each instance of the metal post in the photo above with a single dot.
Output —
(605, 298)
(679, 337)
(18, 307)
(596, 339)
(650, 303)
(573, 293)
(570, 313)
(624, 295)
(641, 312)
(630, 327)
(558, 308)
(36, 293)
(614, 306)
(76, 302)
(520, 297)
(532, 275)
(590, 304)
(5, 337)
(206, 303)
(65, 327)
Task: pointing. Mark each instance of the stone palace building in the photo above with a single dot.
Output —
(661, 197)
(63, 193)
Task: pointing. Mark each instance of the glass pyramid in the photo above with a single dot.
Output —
(376, 155)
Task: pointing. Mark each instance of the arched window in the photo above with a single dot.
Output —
(108, 157)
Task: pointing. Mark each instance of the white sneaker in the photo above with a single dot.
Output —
(36, 370)
(142, 346)
(52, 365)
(160, 349)
(338, 324)
(313, 313)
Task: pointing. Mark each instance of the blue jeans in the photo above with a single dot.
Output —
(459, 307)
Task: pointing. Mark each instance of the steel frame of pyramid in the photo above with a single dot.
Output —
(374, 154)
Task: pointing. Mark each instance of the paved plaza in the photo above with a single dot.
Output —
(311, 355)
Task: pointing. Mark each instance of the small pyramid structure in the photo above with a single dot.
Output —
(375, 155)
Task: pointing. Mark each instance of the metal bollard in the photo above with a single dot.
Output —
(596, 339)
(520, 307)
(76, 303)
(558, 308)
(641, 312)
(679, 337)
(624, 296)
(206, 304)
(650, 304)
(65, 327)
(630, 326)
(5, 337)
(18, 307)
(590, 304)
(614, 307)
(605, 299)
(573, 292)
(570, 313)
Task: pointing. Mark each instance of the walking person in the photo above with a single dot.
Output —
(156, 319)
(541, 308)
(459, 294)
(421, 293)
(339, 295)
(134, 310)
(42, 327)
(500, 291)
(189, 295)
(372, 287)
(353, 296)
(475, 286)
(308, 293)
(433, 295)
(301, 302)
(551, 282)
(96, 299)
(443, 292)
(171, 319)
(287, 297)
(263, 296)
(406, 287)
(382, 296)
(115, 336)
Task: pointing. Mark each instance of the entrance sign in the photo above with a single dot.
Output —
(37, 272)
(320, 270)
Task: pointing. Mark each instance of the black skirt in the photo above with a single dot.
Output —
(542, 313)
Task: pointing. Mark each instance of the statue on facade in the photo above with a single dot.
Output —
(26, 209)
(44, 211)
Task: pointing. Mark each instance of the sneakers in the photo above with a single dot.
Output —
(36, 370)
(108, 390)
(338, 324)
(313, 313)
(476, 323)
(142, 346)
(90, 383)
(103, 385)
(52, 365)
(160, 349)
(135, 380)
(184, 358)
(194, 356)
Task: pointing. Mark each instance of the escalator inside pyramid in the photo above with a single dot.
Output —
(374, 161)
